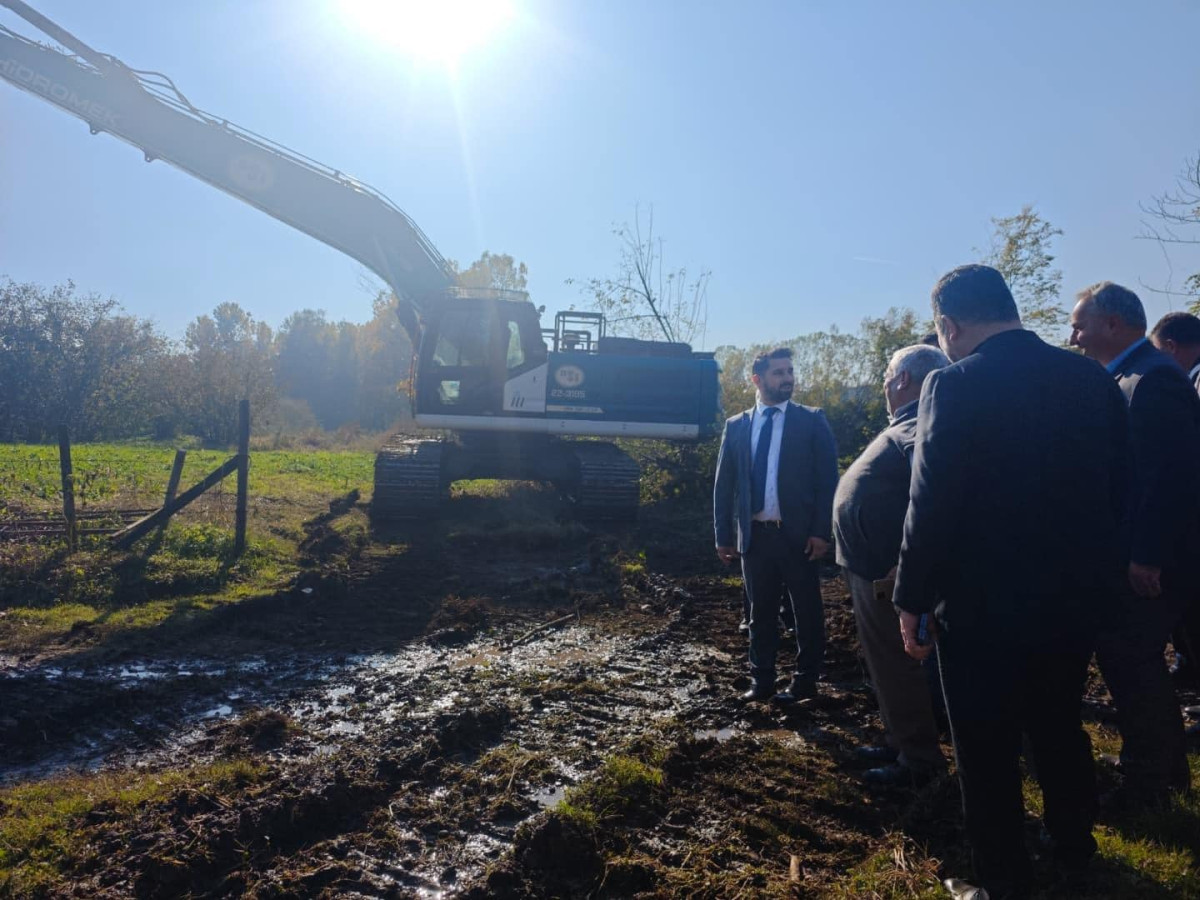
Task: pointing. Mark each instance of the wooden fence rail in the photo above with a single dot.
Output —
(35, 527)
(239, 463)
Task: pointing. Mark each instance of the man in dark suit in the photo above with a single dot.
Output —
(1177, 334)
(776, 474)
(1012, 536)
(1163, 550)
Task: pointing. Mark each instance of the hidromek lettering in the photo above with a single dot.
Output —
(95, 113)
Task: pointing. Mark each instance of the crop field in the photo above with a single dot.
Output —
(501, 701)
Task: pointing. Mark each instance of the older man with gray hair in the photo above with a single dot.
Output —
(868, 524)
(1163, 552)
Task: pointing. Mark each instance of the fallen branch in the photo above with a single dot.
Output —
(546, 627)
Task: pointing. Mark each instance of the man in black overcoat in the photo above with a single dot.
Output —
(1012, 541)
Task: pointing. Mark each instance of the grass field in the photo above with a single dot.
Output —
(46, 593)
(111, 475)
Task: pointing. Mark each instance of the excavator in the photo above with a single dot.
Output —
(506, 398)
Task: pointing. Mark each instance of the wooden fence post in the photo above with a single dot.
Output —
(176, 474)
(243, 476)
(68, 483)
(172, 488)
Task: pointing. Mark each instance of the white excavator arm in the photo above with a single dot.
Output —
(147, 110)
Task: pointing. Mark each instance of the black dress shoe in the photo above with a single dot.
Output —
(760, 689)
(801, 688)
(880, 754)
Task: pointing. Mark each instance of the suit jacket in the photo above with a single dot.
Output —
(1164, 414)
(807, 478)
(1019, 486)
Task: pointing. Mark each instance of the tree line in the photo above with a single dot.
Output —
(79, 360)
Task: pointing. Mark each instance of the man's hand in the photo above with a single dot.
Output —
(1146, 580)
(816, 548)
(910, 624)
(727, 555)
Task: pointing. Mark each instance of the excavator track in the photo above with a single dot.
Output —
(607, 486)
(408, 479)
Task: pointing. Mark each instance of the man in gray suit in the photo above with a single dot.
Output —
(868, 522)
(776, 475)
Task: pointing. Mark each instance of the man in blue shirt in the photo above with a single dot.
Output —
(776, 473)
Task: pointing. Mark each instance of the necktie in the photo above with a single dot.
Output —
(758, 470)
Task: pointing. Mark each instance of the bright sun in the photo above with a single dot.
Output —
(434, 30)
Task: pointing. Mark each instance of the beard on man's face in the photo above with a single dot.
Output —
(778, 394)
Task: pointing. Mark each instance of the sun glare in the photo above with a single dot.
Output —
(433, 30)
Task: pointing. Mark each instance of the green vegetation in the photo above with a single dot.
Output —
(133, 475)
(900, 870)
(1156, 848)
(633, 567)
(44, 829)
(624, 784)
(48, 593)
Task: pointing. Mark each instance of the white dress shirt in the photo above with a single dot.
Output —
(770, 510)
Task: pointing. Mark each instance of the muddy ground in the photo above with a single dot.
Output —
(501, 703)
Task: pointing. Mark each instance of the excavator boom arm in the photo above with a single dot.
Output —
(146, 110)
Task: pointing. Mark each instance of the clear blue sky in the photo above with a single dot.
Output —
(824, 160)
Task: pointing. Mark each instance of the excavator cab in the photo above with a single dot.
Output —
(472, 345)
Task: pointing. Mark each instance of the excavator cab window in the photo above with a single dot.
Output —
(473, 346)
(516, 353)
(464, 338)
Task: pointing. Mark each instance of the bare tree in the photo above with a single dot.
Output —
(1172, 219)
(645, 298)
